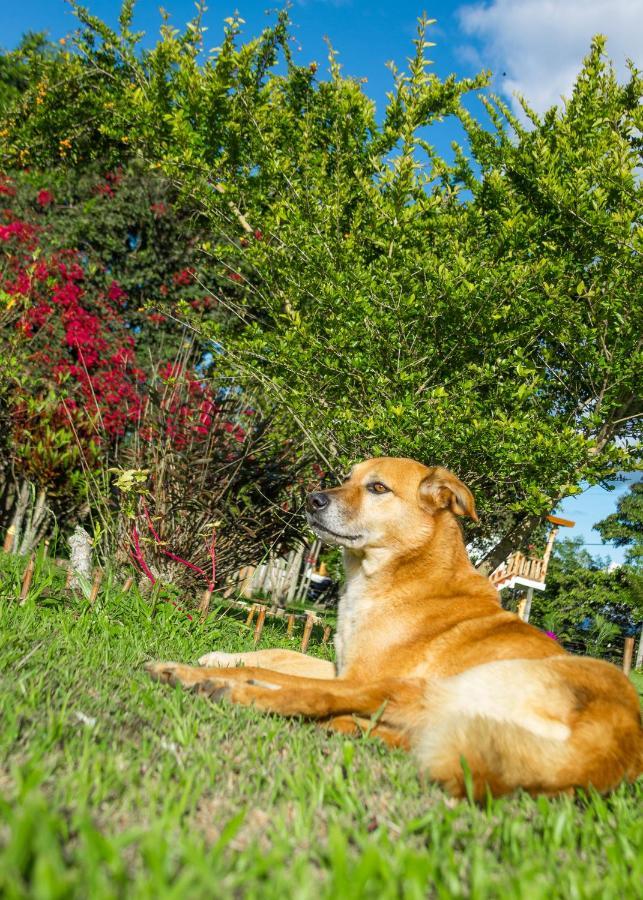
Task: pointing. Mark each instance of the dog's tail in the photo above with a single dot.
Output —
(548, 736)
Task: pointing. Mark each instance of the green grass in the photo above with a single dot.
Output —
(114, 786)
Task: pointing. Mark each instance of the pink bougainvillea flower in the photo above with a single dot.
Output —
(115, 292)
(184, 277)
(45, 198)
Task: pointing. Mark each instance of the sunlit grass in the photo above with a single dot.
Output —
(113, 785)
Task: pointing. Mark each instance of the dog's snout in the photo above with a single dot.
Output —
(317, 501)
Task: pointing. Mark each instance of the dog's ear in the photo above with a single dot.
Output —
(440, 489)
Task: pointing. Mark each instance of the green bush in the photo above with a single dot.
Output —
(480, 314)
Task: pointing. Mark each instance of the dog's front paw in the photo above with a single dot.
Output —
(171, 673)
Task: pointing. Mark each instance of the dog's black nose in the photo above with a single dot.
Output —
(317, 501)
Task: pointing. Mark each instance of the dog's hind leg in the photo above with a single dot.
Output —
(357, 726)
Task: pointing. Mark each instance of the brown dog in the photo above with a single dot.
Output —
(427, 658)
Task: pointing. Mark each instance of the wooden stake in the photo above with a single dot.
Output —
(628, 652)
(98, 577)
(69, 576)
(9, 539)
(204, 605)
(259, 626)
(251, 615)
(326, 634)
(127, 584)
(291, 624)
(26, 580)
(308, 627)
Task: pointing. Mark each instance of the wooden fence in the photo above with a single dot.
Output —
(278, 578)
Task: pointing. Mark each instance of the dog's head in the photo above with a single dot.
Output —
(387, 502)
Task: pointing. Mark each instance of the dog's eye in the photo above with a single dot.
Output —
(376, 487)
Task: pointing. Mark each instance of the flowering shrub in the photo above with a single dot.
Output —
(82, 401)
(78, 385)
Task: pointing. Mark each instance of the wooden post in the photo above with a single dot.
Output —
(127, 584)
(98, 577)
(308, 627)
(68, 577)
(548, 549)
(27, 579)
(628, 651)
(326, 634)
(291, 624)
(524, 607)
(251, 615)
(639, 652)
(261, 618)
(9, 538)
(204, 605)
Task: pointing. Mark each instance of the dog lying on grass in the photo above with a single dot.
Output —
(428, 660)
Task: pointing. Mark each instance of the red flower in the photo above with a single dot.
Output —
(185, 276)
(22, 231)
(44, 199)
(115, 292)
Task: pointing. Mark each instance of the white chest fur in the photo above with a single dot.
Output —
(352, 612)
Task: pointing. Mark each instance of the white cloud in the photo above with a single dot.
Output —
(536, 47)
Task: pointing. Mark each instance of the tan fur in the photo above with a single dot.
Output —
(424, 648)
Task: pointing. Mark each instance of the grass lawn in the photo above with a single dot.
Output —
(114, 786)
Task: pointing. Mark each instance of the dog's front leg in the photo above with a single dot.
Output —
(394, 701)
(192, 676)
(292, 695)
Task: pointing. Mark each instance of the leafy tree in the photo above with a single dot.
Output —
(481, 314)
(18, 68)
(625, 526)
(585, 604)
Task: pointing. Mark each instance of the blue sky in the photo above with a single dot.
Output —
(533, 47)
